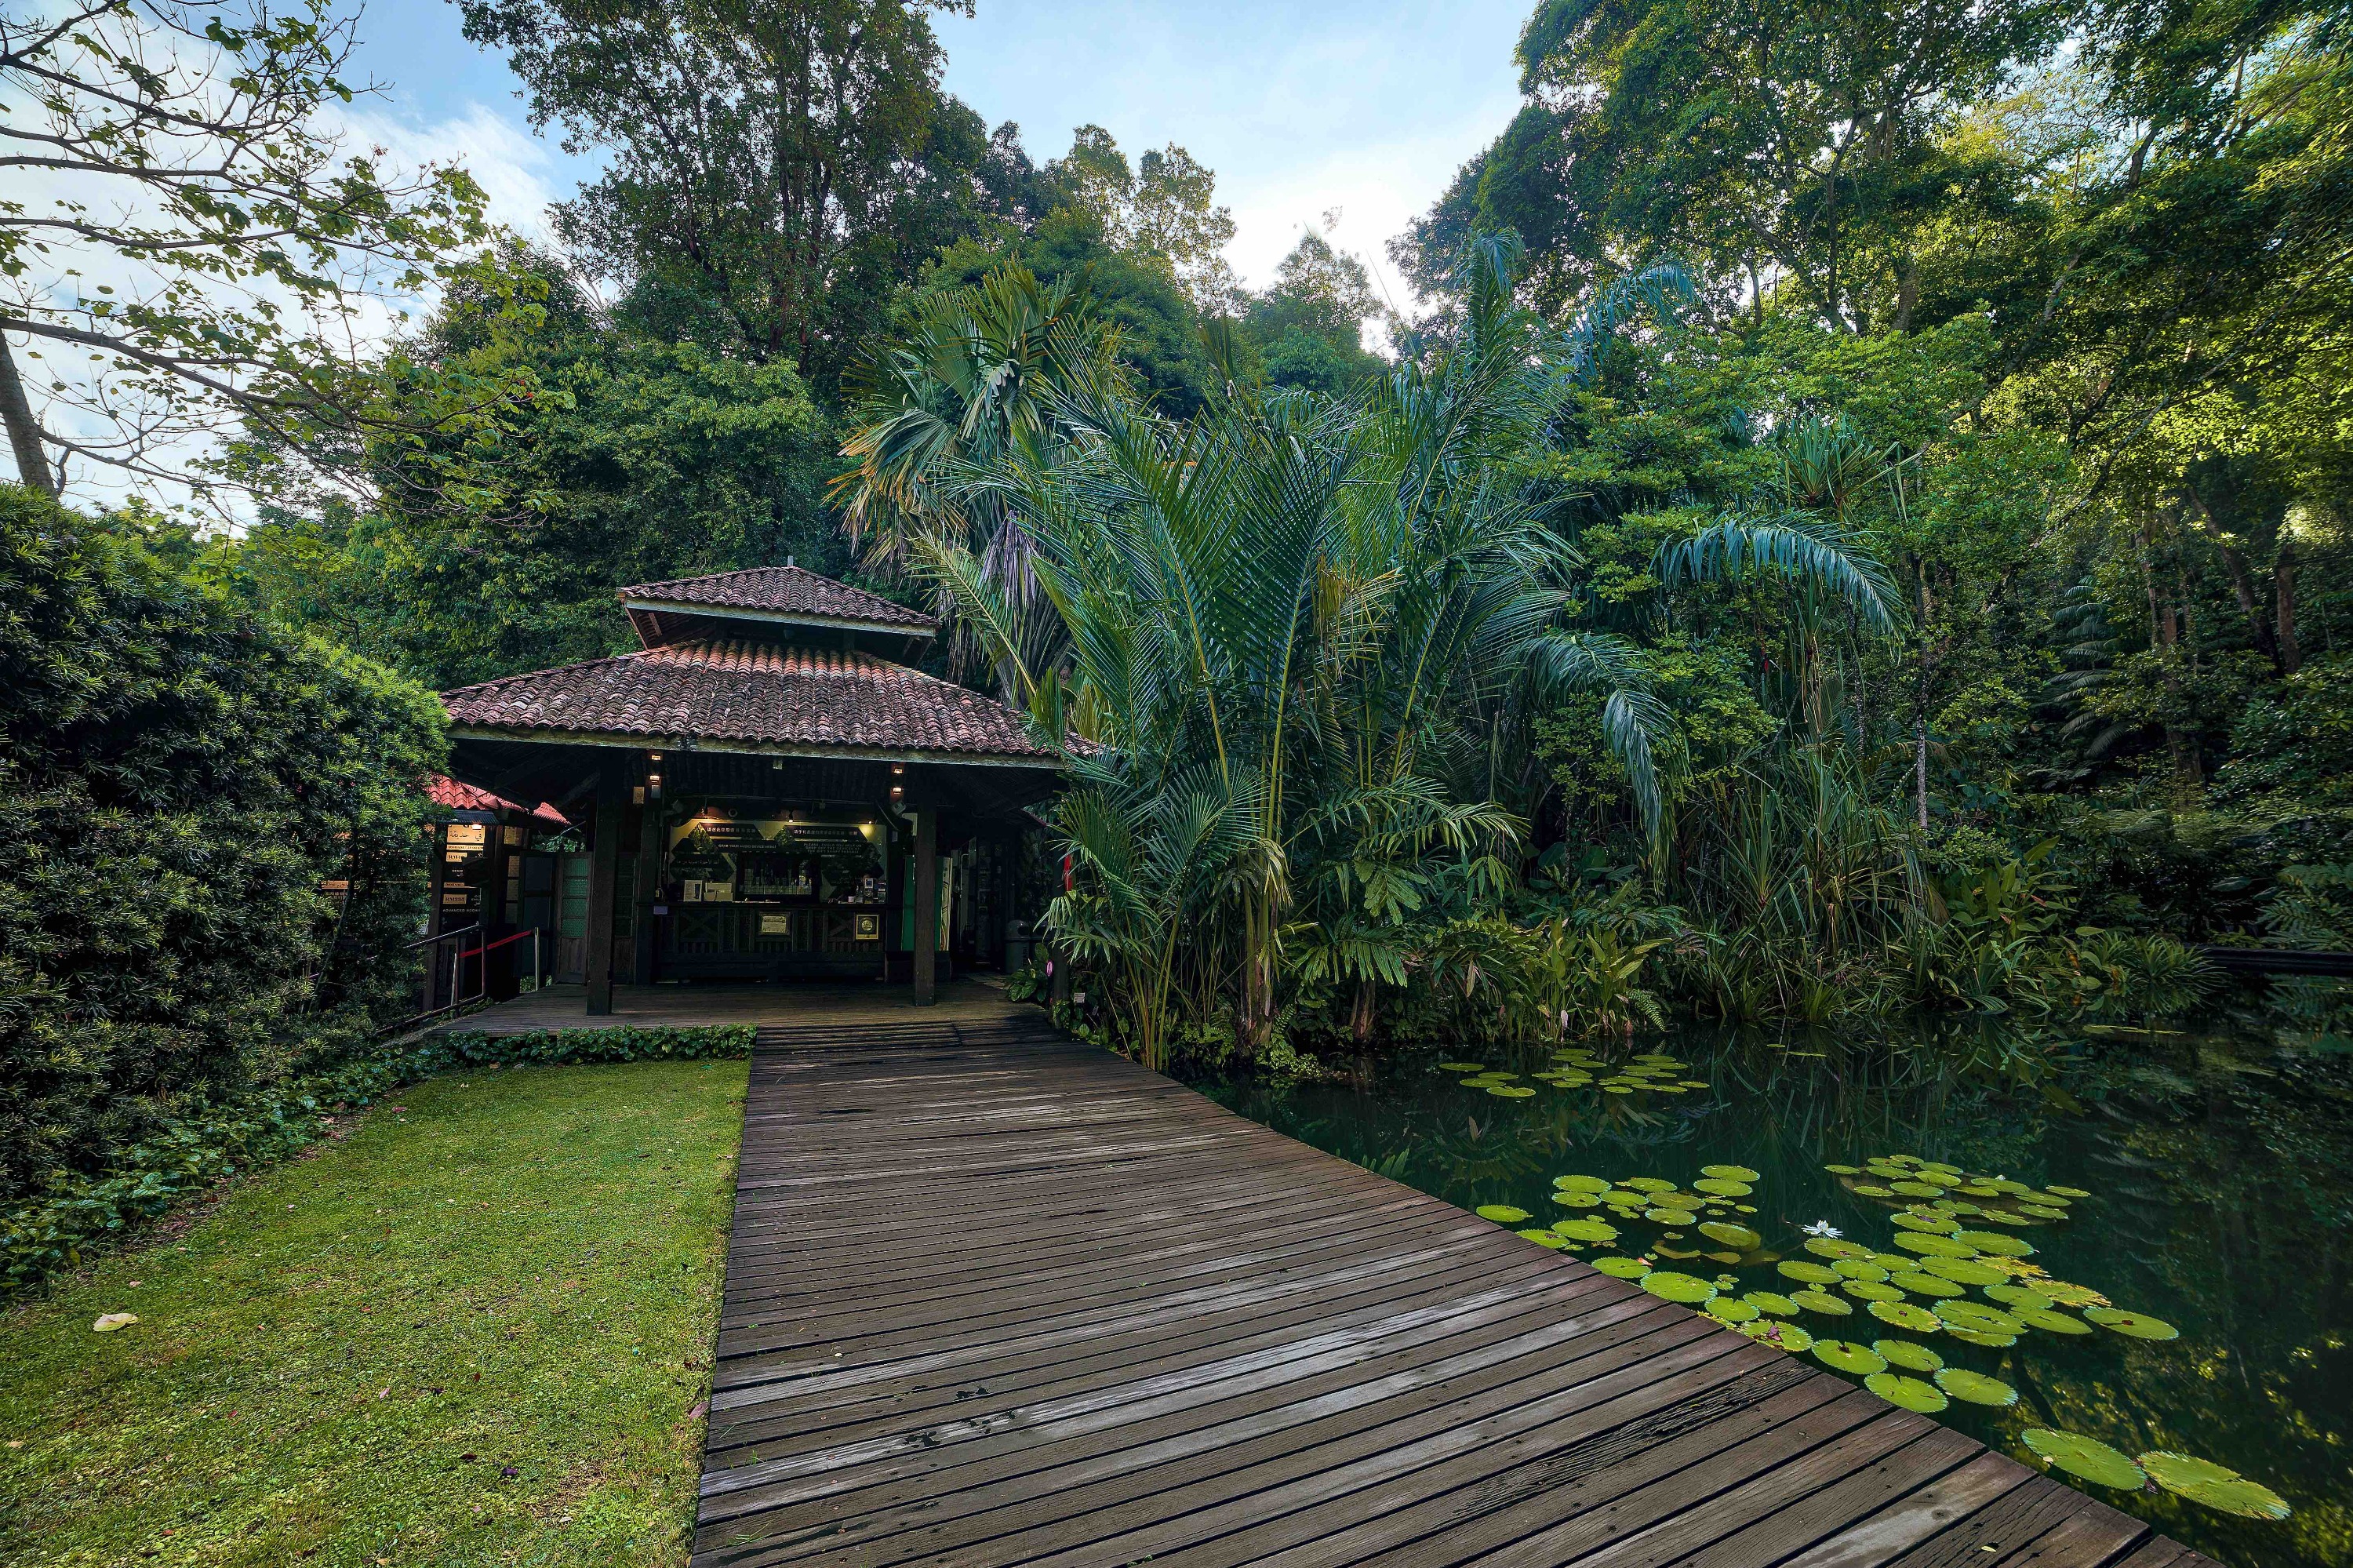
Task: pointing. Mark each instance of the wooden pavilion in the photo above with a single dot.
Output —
(763, 791)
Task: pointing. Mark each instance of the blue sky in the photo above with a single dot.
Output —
(1300, 107)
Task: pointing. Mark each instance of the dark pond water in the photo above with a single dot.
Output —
(2217, 1168)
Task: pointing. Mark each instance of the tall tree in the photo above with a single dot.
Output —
(777, 169)
(190, 244)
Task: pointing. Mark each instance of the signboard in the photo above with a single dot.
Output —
(869, 928)
(775, 925)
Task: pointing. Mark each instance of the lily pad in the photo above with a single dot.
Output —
(1963, 1270)
(1623, 1267)
(1906, 1315)
(1464, 1066)
(1717, 1186)
(1594, 1184)
(1907, 1392)
(1730, 1235)
(1992, 1342)
(1975, 1388)
(1916, 1284)
(1977, 1317)
(1729, 1172)
(1926, 1220)
(1995, 1243)
(1874, 1191)
(2086, 1458)
(2068, 1192)
(1846, 1356)
(1731, 1309)
(1780, 1335)
(1570, 1200)
(1647, 1184)
(1805, 1273)
(2051, 1320)
(1668, 1286)
(2068, 1295)
(1875, 1291)
(1502, 1214)
(1843, 1170)
(1930, 1244)
(1671, 1216)
(1906, 1354)
(1771, 1301)
(1822, 1301)
(1542, 1238)
(2132, 1325)
(1585, 1230)
(1858, 1268)
(1511, 1092)
(2204, 1482)
(2018, 1296)
(1914, 1189)
(1832, 1247)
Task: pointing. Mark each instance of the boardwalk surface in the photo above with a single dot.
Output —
(994, 1298)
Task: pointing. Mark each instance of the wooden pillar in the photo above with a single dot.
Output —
(648, 886)
(494, 901)
(436, 848)
(604, 865)
(927, 906)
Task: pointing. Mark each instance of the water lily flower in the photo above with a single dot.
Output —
(1820, 1228)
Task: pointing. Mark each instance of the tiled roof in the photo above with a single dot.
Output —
(460, 797)
(730, 690)
(786, 592)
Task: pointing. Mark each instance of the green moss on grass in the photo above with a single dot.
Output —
(472, 1332)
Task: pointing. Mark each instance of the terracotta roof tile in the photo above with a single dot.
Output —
(784, 592)
(755, 692)
(460, 797)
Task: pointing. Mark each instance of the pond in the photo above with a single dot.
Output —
(2144, 1242)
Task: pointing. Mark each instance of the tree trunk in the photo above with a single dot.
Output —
(24, 437)
(2291, 656)
(2242, 588)
(1920, 769)
(2165, 632)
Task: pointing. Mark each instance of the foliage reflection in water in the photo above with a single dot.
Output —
(2124, 1260)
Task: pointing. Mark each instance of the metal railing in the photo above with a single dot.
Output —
(442, 1001)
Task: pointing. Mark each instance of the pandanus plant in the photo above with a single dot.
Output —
(1298, 643)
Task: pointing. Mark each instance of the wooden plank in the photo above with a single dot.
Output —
(994, 1298)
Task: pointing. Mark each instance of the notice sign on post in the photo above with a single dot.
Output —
(775, 925)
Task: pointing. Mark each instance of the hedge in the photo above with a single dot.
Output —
(178, 782)
(191, 1154)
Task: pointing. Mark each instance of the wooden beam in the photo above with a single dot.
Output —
(604, 865)
(927, 905)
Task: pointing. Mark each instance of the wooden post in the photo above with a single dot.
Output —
(494, 900)
(648, 886)
(437, 848)
(604, 865)
(927, 906)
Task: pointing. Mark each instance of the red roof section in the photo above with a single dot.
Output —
(755, 692)
(786, 593)
(458, 797)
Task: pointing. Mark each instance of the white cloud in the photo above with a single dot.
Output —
(511, 165)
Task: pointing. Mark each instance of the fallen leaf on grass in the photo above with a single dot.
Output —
(108, 1323)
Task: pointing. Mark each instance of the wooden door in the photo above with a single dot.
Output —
(572, 920)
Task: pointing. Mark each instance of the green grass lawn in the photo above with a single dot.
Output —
(474, 1331)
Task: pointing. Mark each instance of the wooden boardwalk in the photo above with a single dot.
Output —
(995, 1297)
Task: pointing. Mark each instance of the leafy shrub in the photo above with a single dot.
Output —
(177, 781)
(184, 1155)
